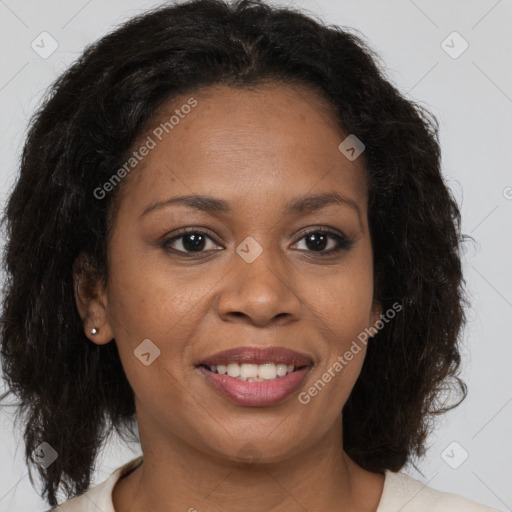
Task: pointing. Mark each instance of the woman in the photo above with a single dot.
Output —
(230, 231)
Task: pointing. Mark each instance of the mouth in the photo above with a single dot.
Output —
(256, 376)
(247, 372)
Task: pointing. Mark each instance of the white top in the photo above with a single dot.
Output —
(401, 493)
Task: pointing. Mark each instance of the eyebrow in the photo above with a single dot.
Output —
(208, 204)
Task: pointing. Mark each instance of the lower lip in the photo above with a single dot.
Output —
(256, 393)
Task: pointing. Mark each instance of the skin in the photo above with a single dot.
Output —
(257, 149)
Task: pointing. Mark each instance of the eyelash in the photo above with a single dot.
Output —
(343, 242)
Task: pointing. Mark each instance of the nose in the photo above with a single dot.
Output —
(260, 293)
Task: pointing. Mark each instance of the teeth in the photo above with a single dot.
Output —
(253, 372)
(248, 370)
(282, 369)
(267, 371)
(233, 369)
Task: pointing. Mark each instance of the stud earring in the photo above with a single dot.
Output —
(94, 331)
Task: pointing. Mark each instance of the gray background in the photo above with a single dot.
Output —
(472, 97)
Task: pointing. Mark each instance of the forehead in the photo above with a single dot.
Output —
(274, 140)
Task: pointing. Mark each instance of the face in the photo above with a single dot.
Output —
(261, 266)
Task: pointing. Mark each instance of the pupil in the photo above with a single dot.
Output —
(193, 242)
(318, 241)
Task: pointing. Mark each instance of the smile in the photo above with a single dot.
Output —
(253, 372)
(255, 376)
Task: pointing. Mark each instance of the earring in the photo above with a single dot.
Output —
(94, 331)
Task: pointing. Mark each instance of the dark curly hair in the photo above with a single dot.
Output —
(73, 393)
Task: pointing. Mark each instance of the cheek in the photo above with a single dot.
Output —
(342, 313)
(342, 308)
(153, 319)
(343, 301)
(150, 300)
(147, 299)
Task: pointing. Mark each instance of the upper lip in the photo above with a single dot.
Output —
(258, 355)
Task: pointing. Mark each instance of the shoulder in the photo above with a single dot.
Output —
(406, 494)
(99, 497)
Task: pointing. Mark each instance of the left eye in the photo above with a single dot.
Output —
(318, 240)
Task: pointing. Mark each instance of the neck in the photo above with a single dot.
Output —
(177, 477)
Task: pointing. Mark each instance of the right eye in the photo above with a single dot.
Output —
(190, 240)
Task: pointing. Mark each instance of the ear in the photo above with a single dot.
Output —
(91, 300)
(376, 312)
